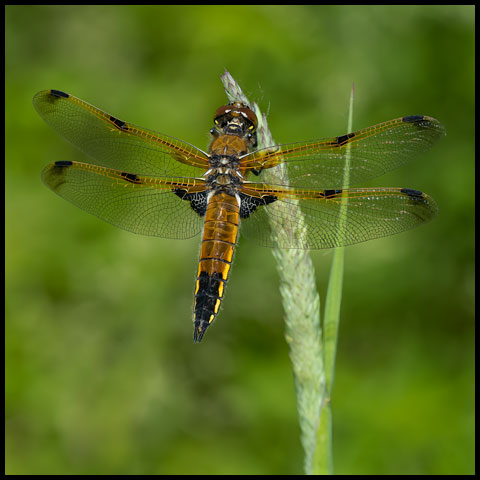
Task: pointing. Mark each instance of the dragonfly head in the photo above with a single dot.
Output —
(236, 119)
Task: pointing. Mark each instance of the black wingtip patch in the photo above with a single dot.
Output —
(56, 174)
(59, 93)
(413, 118)
(412, 193)
(63, 163)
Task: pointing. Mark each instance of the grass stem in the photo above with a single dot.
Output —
(312, 358)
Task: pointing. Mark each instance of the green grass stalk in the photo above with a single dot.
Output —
(323, 458)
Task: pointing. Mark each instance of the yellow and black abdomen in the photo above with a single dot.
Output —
(219, 238)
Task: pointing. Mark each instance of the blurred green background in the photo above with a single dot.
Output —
(101, 373)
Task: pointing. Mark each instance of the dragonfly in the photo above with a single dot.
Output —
(154, 184)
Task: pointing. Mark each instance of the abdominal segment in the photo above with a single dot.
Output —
(219, 238)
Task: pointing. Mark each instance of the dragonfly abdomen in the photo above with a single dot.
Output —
(218, 244)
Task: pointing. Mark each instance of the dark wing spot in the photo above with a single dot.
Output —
(198, 201)
(249, 204)
(332, 193)
(131, 177)
(63, 163)
(342, 139)
(413, 118)
(119, 123)
(329, 193)
(411, 192)
(58, 93)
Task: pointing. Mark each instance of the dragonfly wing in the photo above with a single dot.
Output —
(335, 218)
(372, 152)
(139, 204)
(116, 144)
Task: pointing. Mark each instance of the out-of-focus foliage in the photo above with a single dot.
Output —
(102, 376)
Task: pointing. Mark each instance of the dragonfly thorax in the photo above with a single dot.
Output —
(224, 172)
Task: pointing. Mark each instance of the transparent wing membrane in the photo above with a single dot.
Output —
(112, 143)
(143, 205)
(373, 152)
(329, 219)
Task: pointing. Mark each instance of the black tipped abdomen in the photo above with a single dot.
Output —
(208, 295)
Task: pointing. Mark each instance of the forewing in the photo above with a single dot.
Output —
(112, 143)
(372, 152)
